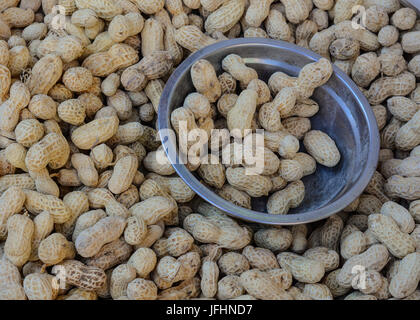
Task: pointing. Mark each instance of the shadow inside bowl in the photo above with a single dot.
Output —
(345, 115)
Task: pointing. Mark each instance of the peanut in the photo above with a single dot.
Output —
(409, 42)
(205, 80)
(9, 110)
(281, 201)
(296, 11)
(153, 209)
(40, 286)
(43, 226)
(229, 287)
(401, 216)
(232, 263)
(353, 244)
(111, 254)
(259, 284)
(78, 203)
(273, 239)
(386, 230)
(240, 116)
(102, 198)
(76, 273)
(329, 258)
(407, 136)
(229, 236)
(22, 180)
(414, 210)
(117, 57)
(11, 283)
(55, 248)
(45, 74)
(254, 185)
(225, 17)
(257, 12)
(95, 132)
(406, 279)
(235, 65)
(192, 38)
(317, 291)
(322, 148)
(52, 150)
(122, 27)
(123, 174)
(143, 260)
(91, 240)
(260, 258)
(303, 269)
(375, 258)
(86, 170)
(386, 87)
(18, 243)
(406, 188)
(120, 278)
(37, 202)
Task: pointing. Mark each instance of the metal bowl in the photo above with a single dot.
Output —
(345, 115)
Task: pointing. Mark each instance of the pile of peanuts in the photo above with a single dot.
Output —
(87, 211)
(242, 114)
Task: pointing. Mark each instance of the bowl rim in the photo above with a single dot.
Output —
(251, 215)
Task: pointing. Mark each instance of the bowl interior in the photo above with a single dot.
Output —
(344, 115)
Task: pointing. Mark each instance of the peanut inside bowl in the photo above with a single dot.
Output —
(345, 115)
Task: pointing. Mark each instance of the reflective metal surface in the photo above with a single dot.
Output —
(344, 114)
(414, 4)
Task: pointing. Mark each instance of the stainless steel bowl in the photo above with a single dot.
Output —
(344, 114)
(414, 4)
